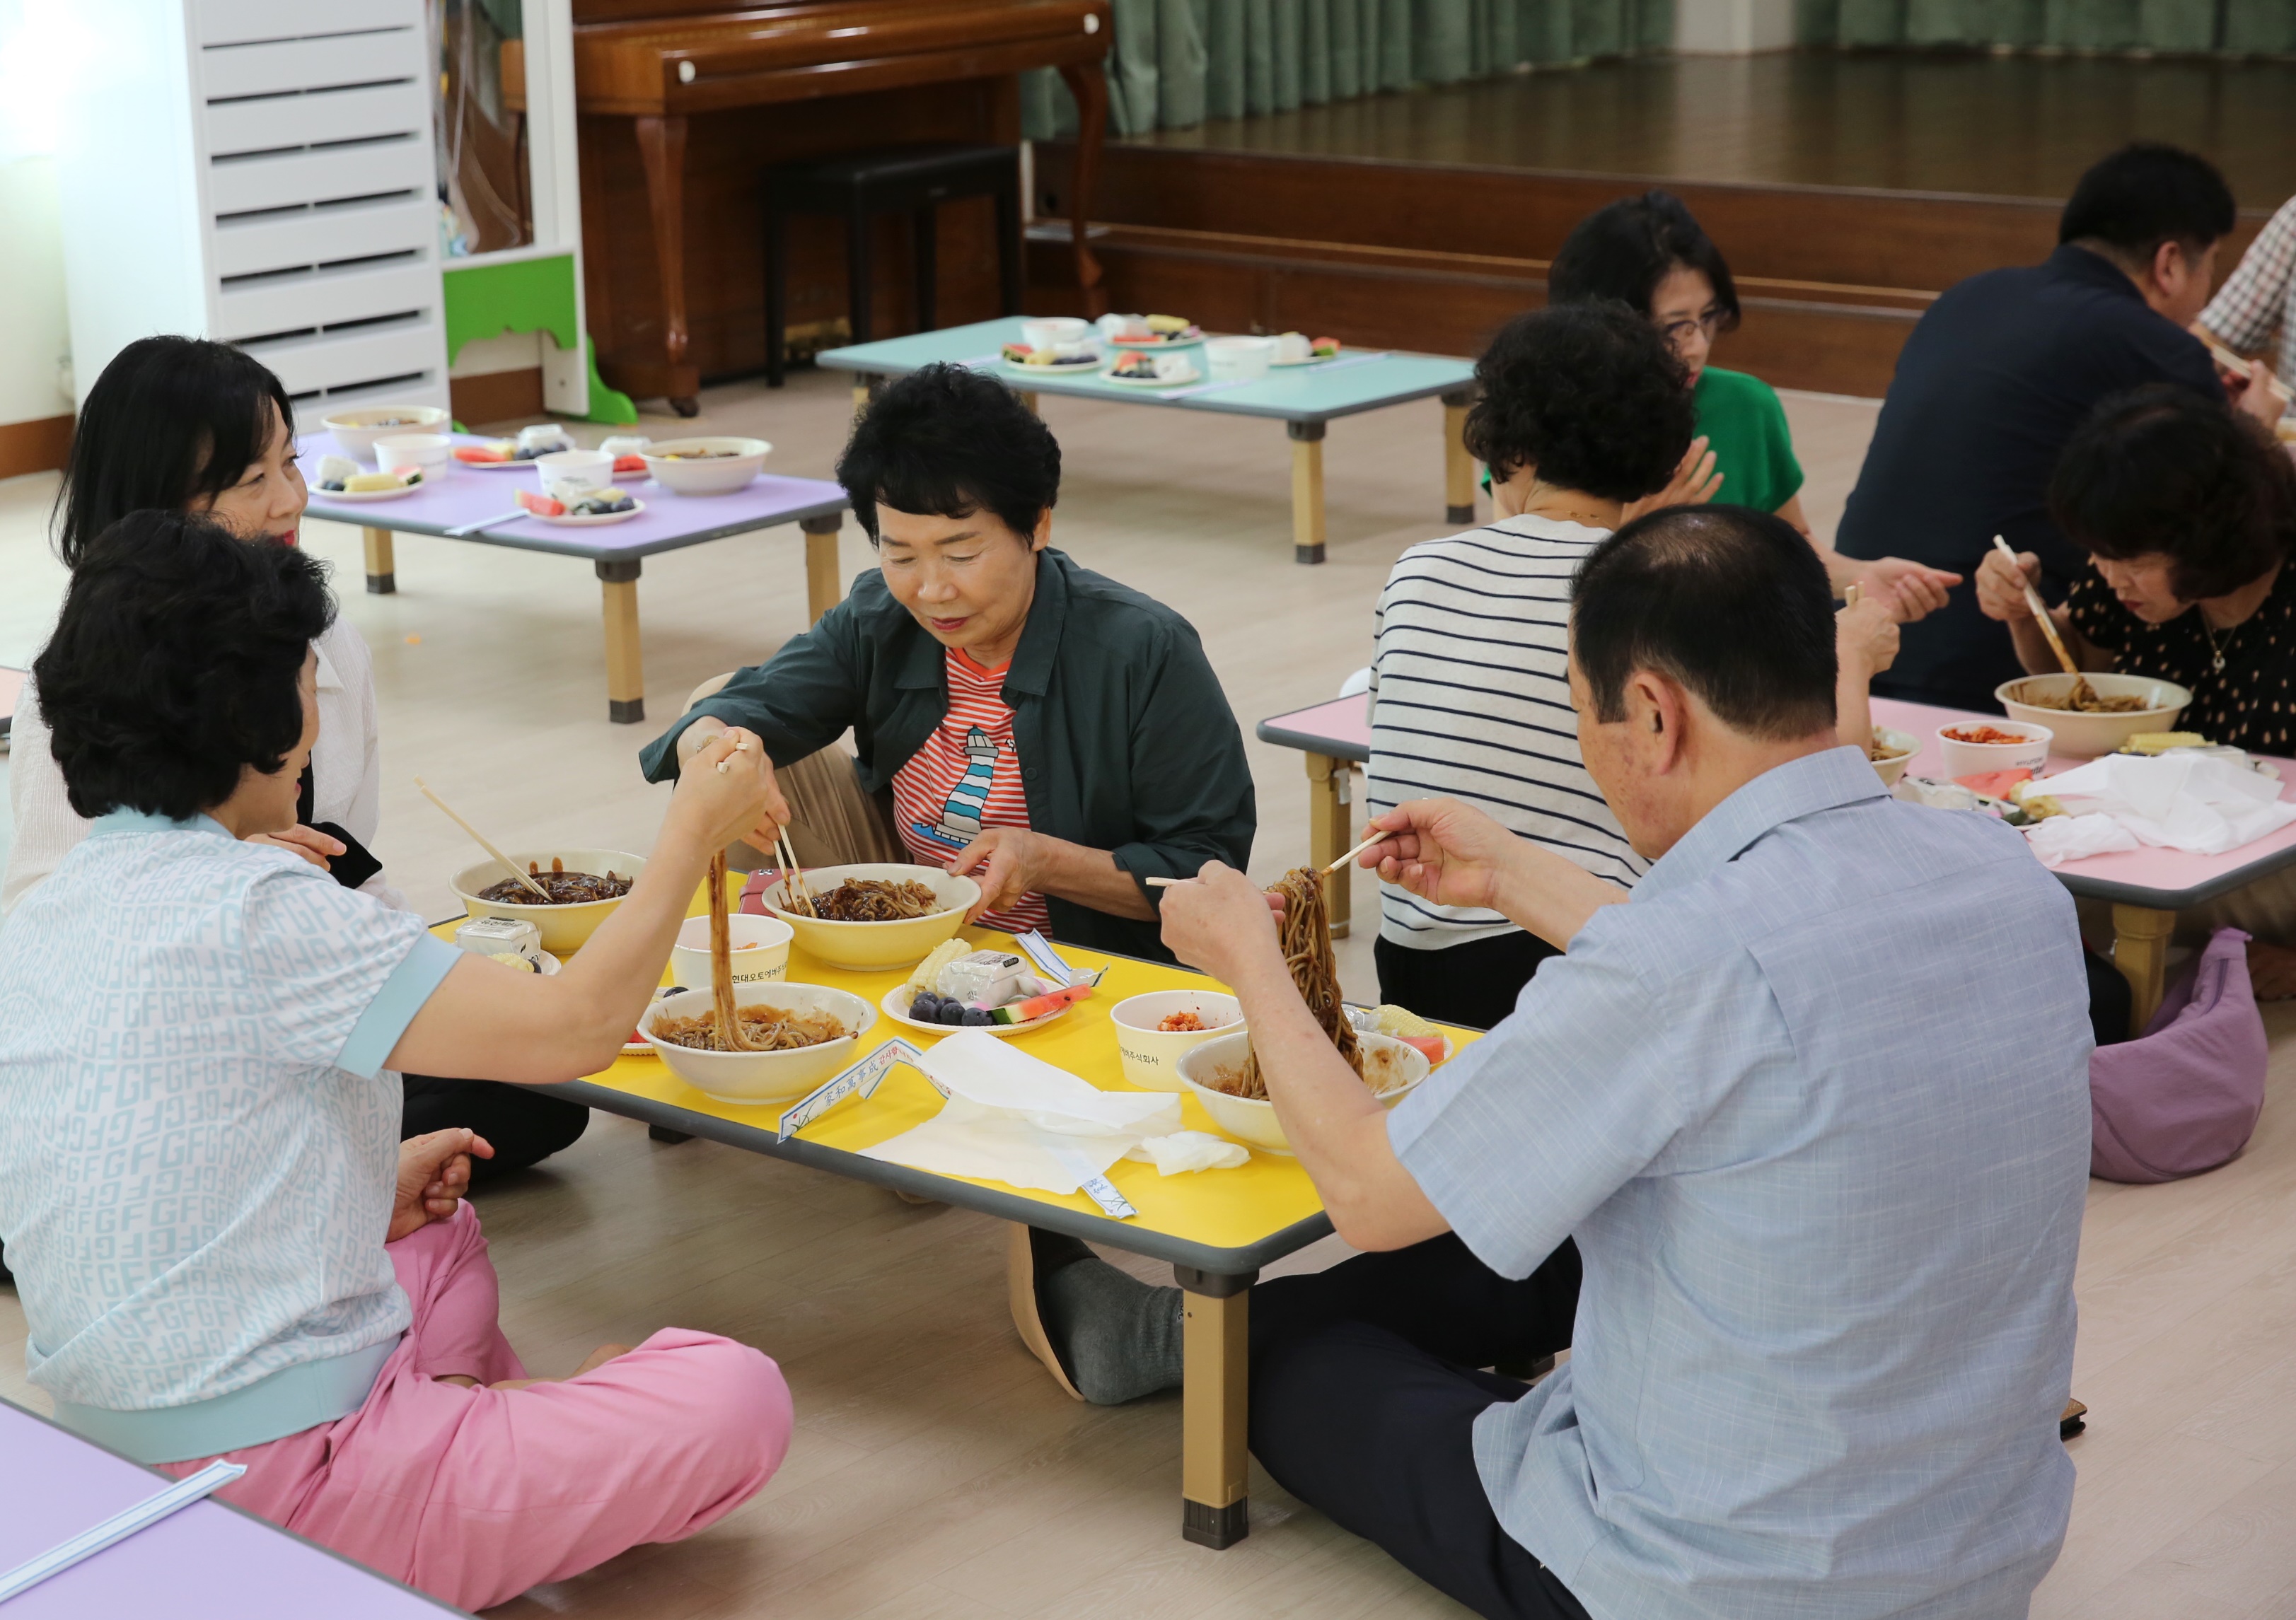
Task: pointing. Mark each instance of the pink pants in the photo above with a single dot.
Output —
(473, 1495)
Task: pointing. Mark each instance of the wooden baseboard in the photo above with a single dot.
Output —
(39, 446)
(495, 396)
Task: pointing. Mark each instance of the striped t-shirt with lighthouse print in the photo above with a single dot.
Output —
(967, 777)
(1472, 700)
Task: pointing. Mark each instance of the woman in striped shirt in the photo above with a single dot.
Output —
(1584, 409)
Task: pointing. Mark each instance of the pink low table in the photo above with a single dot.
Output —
(2146, 887)
(1336, 738)
(483, 506)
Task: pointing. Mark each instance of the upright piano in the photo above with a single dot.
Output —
(683, 106)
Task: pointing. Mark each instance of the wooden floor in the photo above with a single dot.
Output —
(937, 1473)
(1994, 125)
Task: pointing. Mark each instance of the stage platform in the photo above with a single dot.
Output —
(1847, 189)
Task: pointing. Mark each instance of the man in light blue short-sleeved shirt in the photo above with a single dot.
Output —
(1788, 1149)
(170, 994)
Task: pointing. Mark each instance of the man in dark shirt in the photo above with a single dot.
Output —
(1997, 374)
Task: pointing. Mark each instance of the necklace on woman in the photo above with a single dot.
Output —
(2217, 647)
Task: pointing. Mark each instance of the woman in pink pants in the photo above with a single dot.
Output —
(221, 1245)
(464, 1478)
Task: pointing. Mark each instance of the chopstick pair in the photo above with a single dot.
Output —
(2039, 610)
(1374, 838)
(482, 843)
(793, 884)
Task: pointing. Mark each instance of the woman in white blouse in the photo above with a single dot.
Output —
(181, 424)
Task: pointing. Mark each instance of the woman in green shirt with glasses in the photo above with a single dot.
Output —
(1650, 254)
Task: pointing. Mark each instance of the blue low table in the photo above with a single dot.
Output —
(1304, 398)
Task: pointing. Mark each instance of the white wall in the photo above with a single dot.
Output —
(33, 324)
(35, 335)
(1733, 27)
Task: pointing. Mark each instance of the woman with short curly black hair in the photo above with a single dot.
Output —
(2187, 510)
(1584, 410)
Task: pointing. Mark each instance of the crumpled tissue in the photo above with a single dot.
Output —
(1185, 1150)
(2071, 838)
(2191, 802)
(1016, 1118)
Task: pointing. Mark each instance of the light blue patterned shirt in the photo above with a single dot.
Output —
(1815, 1104)
(198, 1140)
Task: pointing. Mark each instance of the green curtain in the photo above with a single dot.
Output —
(1174, 63)
(2235, 26)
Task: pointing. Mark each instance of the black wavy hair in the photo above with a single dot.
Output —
(1590, 395)
(1621, 252)
(1730, 601)
(2144, 194)
(171, 419)
(175, 661)
(2160, 469)
(948, 440)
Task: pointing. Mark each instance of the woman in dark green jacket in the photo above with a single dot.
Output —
(1019, 719)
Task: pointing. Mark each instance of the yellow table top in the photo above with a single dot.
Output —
(1266, 1208)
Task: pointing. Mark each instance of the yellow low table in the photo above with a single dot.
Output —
(1216, 1228)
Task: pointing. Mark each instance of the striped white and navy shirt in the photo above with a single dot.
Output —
(1472, 700)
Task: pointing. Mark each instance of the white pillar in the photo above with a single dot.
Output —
(1733, 27)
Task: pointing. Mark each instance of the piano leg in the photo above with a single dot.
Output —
(925, 228)
(662, 148)
(1088, 83)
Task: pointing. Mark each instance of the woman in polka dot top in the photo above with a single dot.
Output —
(2188, 511)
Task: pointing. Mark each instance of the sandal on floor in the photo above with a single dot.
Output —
(1021, 1280)
(2076, 1418)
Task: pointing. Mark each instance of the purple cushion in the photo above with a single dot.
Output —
(2184, 1096)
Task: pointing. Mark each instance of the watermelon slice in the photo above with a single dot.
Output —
(541, 505)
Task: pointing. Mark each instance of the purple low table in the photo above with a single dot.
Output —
(208, 1562)
(483, 506)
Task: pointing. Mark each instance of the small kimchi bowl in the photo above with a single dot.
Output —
(760, 951)
(760, 1076)
(1391, 1067)
(1151, 1056)
(2021, 744)
(2085, 735)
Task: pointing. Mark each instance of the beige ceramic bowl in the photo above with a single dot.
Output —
(2085, 736)
(357, 431)
(870, 947)
(761, 1077)
(1393, 1066)
(1904, 745)
(739, 463)
(760, 953)
(1150, 1055)
(565, 928)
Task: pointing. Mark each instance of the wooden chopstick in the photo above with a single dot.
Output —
(2040, 609)
(794, 888)
(507, 864)
(1328, 871)
(2234, 363)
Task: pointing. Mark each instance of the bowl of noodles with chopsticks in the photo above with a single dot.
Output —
(1223, 1074)
(799, 1035)
(2093, 714)
(874, 915)
(584, 887)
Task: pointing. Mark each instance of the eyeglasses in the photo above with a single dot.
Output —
(1678, 333)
